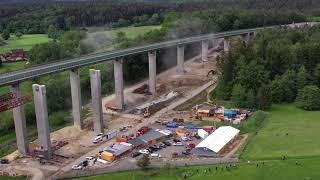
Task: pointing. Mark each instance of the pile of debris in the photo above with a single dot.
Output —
(144, 89)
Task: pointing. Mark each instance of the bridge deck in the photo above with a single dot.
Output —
(41, 70)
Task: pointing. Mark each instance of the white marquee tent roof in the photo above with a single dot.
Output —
(219, 138)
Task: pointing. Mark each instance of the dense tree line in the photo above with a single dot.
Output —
(37, 17)
(280, 65)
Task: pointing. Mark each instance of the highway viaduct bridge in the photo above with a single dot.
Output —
(14, 79)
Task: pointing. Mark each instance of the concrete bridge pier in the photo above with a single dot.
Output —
(152, 71)
(226, 44)
(76, 98)
(20, 122)
(204, 50)
(118, 82)
(245, 38)
(180, 59)
(40, 103)
(95, 81)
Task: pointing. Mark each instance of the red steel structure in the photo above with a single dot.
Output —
(10, 101)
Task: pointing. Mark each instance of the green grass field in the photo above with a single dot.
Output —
(302, 139)
(7, 67)
(130, 31)
(26, 42)
(271, 170)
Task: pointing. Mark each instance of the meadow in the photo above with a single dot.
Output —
(26, 42)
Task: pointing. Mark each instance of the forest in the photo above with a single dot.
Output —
(279, 66)
(38, 17)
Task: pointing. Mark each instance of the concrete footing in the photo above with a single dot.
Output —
(76, 98)
(204, 50)
(20, 122)
(95, 80)
(118, 82)
(180, 59)
(40, 103)
(152, 71)
(226, 44)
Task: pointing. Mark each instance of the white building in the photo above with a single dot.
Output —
(217, 142)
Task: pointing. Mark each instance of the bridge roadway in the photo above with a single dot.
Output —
(41, 70)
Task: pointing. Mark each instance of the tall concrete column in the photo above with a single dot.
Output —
(226, 44)
(95, 80)
(204, 50)
(76, 98)
(20, 122)
(40, 103)
(245, 38)
(180, 59)
(118, 82)
(152, 71)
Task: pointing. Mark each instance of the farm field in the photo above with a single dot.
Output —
(26, 42)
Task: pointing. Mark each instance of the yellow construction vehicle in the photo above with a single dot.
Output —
(146, 113)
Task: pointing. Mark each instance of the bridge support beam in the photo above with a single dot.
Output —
(180, 59)
(95, 80)
(118, 82)
(76, 98)
(226, 44)
(152, 71)
(204, 50)
(40, 103)
(20, 122)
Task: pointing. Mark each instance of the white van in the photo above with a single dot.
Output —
(97, 139)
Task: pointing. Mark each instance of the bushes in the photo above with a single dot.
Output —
(253, 123)
(58, 118)
(309, 98)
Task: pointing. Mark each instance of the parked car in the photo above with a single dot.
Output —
(4, 161)
(176, 140)
(186, 152)
(150, 149)
(144, 151)
(167, 143)
(76, 167)
(156, 147)
(177, 144)
(135, 154)
(186, 138)
(155, 155)
(89, 158)
(97, 139)
(197, 136)
(162, 145)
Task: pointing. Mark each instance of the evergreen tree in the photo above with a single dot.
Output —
(251, 99)
(264, 99)
(302, 78)
(5, 34)
(309, 98)
(239, 96)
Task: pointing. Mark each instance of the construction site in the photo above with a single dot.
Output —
(142, 109)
